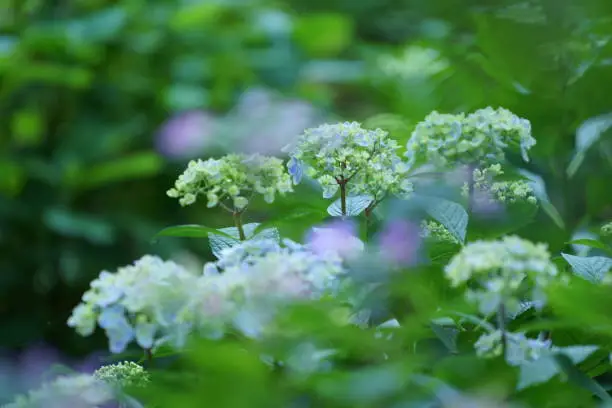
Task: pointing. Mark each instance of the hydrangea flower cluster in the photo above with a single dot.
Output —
(498, 268)
(251, 280)
(82, 390)
(519, 348)
(138, 302)
(500, 191)
(478, 138)
(336, 154)
(231, 180)
(123, 374)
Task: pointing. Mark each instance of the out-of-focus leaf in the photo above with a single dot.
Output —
(537, 372)
(355, 205)
(591, 268)
(447, 335)
(539, 189)
(13, 177)
(323, 35)
(587, 135)
(566, 361)
(329, 71)
(100, 26)
(136, 166)
(69, 224)
(27, 127)
(593, 243)
(196, 15)
(190, 231)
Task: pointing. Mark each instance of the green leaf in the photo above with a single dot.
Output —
(539, 189)
(190, 231)
(593, 243)
(323, 34)
(566, 361)
(312, 215)
(447, 335)
(587, 135)
(70, 224)
(136, 166)
(537, 372)
(231, 236)
(591, 268)
(354, 205)
(448, 213)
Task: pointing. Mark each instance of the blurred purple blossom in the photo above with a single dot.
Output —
(35, 365)
(337, 236)
(399, 242)
(263, 122)
(186, 135)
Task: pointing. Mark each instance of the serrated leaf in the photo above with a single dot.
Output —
(189, 231)
(587, 135)
(577, 354)
(448, 213)
(447, 335)
(231, 236)
(355, 205)
(537, 372)
(591, 268)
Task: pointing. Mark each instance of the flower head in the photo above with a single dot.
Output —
(79, 390)
(250, 281)
(338, 236)
(123, 374)
(138, 302)
(498, 268)
(228, 181)
(347, 154)
(478, 138)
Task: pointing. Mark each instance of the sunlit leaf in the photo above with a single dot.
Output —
(231, 236)
(355, 205)
(591, 268)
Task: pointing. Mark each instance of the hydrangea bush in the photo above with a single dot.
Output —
(427, 309)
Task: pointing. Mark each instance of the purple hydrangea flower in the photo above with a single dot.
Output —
(186, 135)
(337, 236)
(400, 242)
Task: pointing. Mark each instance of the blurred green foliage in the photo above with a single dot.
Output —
(85, 84)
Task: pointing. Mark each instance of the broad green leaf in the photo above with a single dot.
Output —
(448, 213)
(355, 205)
(566, 361)
(231, 236)
(539, 189)
(537, 372)
(135, 166)
(593, 243)
(587, 135)
(70, 224)
(190, 231)
(323, 34)
(591, 268)
(311, 215)
(447, 335)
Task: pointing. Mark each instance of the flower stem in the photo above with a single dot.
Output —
(501, 325)
(238, 224)
(148, 356)
(343, 197)
(470, 189)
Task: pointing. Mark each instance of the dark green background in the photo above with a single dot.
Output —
(85, 85)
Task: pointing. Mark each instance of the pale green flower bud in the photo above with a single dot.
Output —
(240, 202)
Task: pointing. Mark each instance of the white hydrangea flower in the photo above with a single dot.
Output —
(519, 348)
(251, 280)
(123, 374)
(231, 180)
(499, 267)
(478, 138)
(345, 154)
(80, 390)
(499, 191)
(139, 302)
